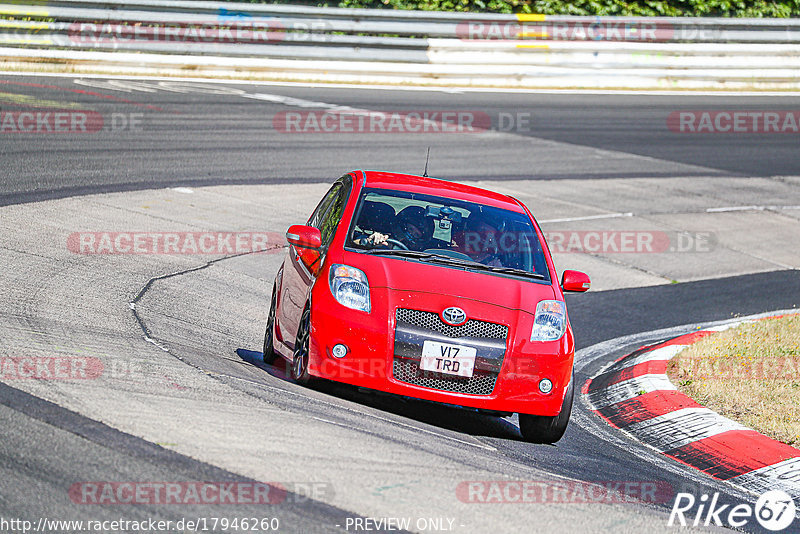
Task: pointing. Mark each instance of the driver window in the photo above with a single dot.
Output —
(330, 220)
(323, 206)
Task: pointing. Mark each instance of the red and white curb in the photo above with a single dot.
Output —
(635, 395)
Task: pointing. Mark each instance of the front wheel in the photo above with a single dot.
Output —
(544, 428)
(300, 356)
(269, 351)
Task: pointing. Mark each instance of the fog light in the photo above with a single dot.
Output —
(545, 386)
(339, 351)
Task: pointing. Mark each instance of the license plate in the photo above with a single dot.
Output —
(448, 359)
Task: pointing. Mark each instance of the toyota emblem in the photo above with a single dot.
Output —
(454, 316)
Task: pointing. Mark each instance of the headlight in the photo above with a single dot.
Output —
(350, 287)
(550, 322)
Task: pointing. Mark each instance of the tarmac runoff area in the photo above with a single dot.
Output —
(171, 374)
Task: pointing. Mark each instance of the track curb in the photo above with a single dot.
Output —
(635, 395)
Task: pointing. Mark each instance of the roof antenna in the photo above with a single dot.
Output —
(425, 174)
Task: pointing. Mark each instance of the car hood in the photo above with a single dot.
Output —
(410, 279)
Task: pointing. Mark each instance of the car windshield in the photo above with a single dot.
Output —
(447, 231)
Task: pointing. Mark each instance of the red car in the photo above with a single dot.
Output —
(428, 289)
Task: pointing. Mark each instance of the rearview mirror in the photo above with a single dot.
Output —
(304, 237)
(575, 281)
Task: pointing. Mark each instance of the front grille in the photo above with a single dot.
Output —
(408, 371)
(432, 321)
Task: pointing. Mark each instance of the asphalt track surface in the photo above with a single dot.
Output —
(198, 139)
(190, 138)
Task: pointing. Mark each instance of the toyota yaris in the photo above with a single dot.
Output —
(428, 289)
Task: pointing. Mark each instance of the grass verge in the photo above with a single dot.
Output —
(750, 374)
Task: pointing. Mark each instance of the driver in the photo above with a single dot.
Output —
(411, 228)
(479, 239)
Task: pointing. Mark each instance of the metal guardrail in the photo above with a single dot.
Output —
(403, 45)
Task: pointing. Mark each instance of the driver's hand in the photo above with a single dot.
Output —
(378, 239)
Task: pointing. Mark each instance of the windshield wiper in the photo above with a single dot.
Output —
(511, 270)
(399, 252)
(449, 260)
(476, 265)
(426, 257)
(441, 258)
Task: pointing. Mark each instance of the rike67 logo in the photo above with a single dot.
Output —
(774, 510)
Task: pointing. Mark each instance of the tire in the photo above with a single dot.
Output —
(300, 357)
(544, 428)
(269, 350)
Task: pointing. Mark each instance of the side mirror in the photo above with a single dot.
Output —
(304, 237)
(575, 281)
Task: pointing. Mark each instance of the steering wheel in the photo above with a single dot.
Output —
(397, 243)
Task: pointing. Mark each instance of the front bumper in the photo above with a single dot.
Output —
(385, 358)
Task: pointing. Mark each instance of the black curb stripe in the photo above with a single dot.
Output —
(719, 467)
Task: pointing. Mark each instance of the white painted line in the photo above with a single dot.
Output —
(629, 389)
(283, 100)
(299, 102)
(588, 218)
(735, 208)
(750, 208)
(784, 475)
(186, 190)
(430, 88)
(681, 427)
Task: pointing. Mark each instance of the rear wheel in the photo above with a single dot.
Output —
(269, 351)
(544, 428)
(301, 344)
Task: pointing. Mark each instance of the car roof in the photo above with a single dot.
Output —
(435, 186)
